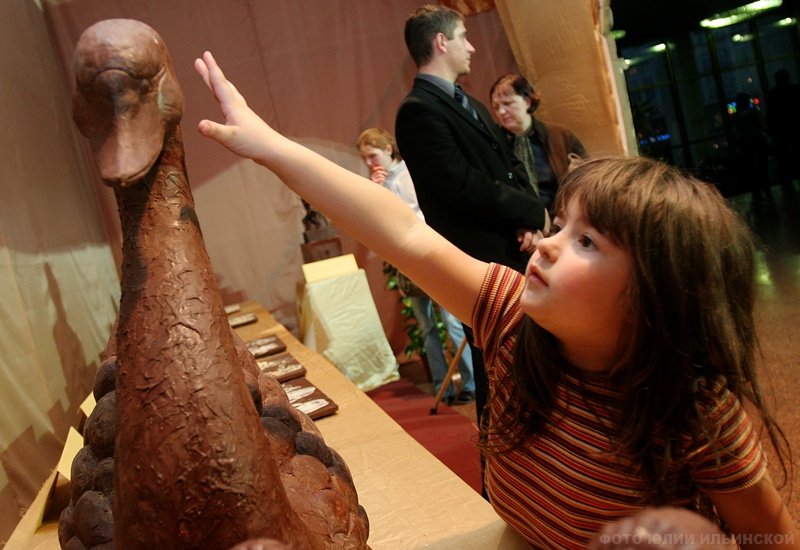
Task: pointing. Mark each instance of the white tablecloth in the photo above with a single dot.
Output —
(339, 320)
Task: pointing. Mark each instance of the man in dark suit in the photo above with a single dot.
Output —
(469, 185)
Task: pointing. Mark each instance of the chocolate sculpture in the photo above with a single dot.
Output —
(193, 466)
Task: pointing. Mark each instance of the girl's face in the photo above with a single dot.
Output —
(576, 288)
(512, 110)
(374, 157)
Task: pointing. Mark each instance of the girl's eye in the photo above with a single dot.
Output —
(585, 241)
(555, 227)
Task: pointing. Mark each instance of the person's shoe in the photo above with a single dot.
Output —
(464, 398)
(449, 400)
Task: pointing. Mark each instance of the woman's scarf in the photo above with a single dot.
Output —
(524, 152)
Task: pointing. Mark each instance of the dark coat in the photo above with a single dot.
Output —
(469, 184)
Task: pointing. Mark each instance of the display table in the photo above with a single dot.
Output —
(412, 499)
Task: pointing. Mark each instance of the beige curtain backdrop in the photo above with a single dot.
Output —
(565, 50)
(319, 71)
(58, 280)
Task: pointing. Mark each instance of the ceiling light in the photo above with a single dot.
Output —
(737, 15)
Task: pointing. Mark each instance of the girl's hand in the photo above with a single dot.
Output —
(243, 132)
(378, 174)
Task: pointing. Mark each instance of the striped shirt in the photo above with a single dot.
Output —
(565, 485)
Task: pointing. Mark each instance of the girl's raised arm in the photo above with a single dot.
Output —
(364, 210)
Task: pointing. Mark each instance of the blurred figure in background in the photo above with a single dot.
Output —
(751, 143)
(379, 151)
(543, 147)
(783, 122)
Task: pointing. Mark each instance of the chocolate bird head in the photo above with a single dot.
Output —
(126, 98)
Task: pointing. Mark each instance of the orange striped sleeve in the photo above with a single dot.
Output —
(497, 314)
(732, 459)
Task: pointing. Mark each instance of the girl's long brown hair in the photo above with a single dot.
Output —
(692, 294)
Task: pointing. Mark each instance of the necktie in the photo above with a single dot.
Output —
(461, 97)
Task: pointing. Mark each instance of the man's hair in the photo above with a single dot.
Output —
(378, 138)
(423, 25)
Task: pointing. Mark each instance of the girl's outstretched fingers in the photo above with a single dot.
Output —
(225, 93)
(233, 106)
(202, 70)
(208, 128)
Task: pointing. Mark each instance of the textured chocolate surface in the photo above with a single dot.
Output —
(188, 447)
(194, 466)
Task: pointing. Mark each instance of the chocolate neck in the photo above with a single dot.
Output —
(191, 466)
(162, 241)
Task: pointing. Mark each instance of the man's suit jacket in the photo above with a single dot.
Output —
(469, 184)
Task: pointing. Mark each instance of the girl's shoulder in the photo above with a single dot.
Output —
(721, 416)
(725, 454)
(713, 397)
(499, 294)
(497, 312)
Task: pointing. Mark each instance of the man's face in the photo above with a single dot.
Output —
(459, 50)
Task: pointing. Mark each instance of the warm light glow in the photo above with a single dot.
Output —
(647, 54)
(618, 34)
(785, 22)
(742, 37)
(737, 15)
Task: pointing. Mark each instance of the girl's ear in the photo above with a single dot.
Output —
(389, 149)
